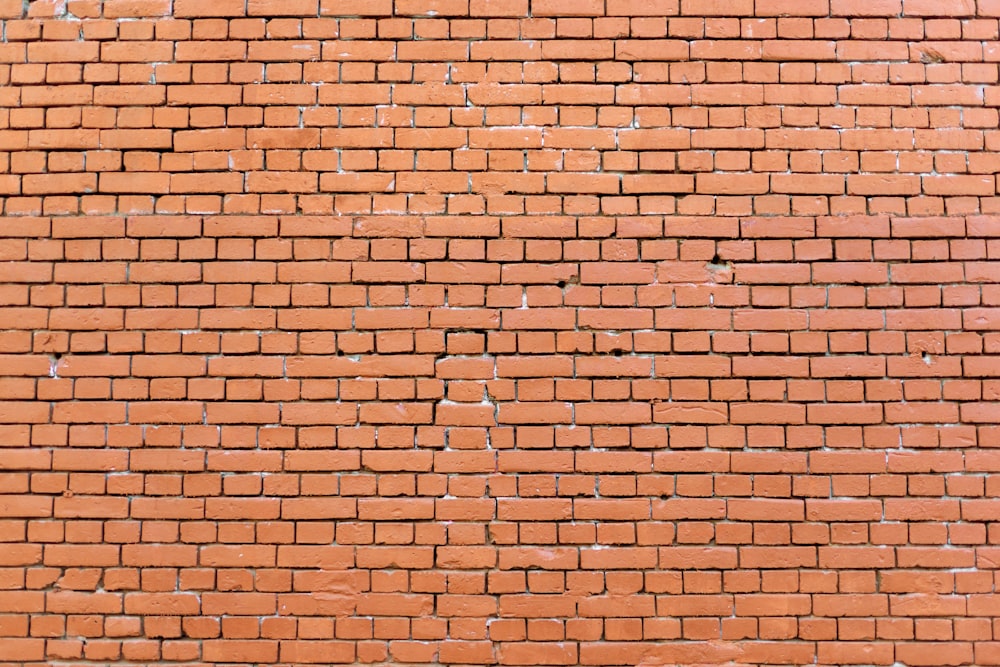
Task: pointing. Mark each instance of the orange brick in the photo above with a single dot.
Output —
(661, 331)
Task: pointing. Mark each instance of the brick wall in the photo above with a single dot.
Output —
(561, 332)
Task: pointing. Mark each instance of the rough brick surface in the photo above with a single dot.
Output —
(519, 332)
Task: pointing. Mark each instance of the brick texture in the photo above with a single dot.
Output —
(500, 332)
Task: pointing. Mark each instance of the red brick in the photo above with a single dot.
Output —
(283, 8)
(136, 8)
(11, 9)
(193, 8)
(654, 330)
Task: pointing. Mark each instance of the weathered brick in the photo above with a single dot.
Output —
(499, 332)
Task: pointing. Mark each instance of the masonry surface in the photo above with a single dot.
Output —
(497, 332)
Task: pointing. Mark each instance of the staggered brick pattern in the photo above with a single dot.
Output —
(548, 332)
